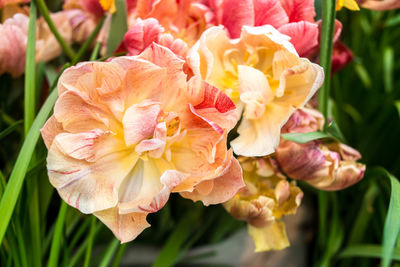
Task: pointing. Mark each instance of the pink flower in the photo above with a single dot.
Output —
(144, 32)
(294, 18)
(14, 35)
(326, 165)
(127, 133)
(263, 75)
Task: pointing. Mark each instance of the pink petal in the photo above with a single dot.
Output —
(49, 131)
(140, 121)
(269, 12)
(304, 36)
(298, 10)
(236, 14)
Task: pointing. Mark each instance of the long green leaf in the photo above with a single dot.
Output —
(109, 253)
(10, 129)
(9, 199)
(57, 241)
(30, 94)
(303, 138)
(368, 251)
(90, 241)
(118, 27)
(328, 25)
(392, 223)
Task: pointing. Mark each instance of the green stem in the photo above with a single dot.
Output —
(105, 261)
(46, 15)
(328, 26)
(89, 41)
(57, 241)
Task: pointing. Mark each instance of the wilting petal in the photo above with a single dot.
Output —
(303, 34)
(221, 188)
(298, 10)
(269, 237)
(125, 227)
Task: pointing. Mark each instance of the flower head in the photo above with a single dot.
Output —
(326, 165)
(263, 75)
(267, 197)
(349, 4)
(127, 133)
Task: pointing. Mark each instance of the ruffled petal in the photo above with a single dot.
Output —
(221, 188)
(237, 14)
(269, 12)
(298, 10)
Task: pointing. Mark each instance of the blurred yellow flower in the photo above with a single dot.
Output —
(108, 5)
(349, 4)
(267, 197)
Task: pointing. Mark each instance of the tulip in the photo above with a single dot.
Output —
(262, 73)
(379, 4)
(326, 165)
(294, 18)
(14, 35)
(128, 132)
(267, 197)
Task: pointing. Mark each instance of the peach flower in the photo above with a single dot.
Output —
(327, 165)
(262, 73)
(183, 19)
(267, 197)
(4, 3)
(127, 133)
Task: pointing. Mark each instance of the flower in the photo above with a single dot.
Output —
(108, 5)
(186, 20)
(349, 4)
(379, 5)
(294, 18)
(267, 197)
(14, 35)
(262, 73)
(143, 33)
(327, 165)
(4, 3)
(127, 133)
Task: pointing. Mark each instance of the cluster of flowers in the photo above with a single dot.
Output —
(127, 133)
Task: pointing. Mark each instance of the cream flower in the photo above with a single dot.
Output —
(267, 197)
(127, 133)
(262, 73)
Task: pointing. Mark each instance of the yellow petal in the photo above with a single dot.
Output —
(108, 5)
(270, 237)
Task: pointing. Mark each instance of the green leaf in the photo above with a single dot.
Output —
(90, 241)
(109, 253)
(57, 238)
(328, 25)
(367, 251)
(14, 185)
(392, 222)
(388, 62)
(10, 129)
(303, 138)
(30, 92)
(334, 131)
(363, 75)
(397, 105)
(172, 248)
(118, 27)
